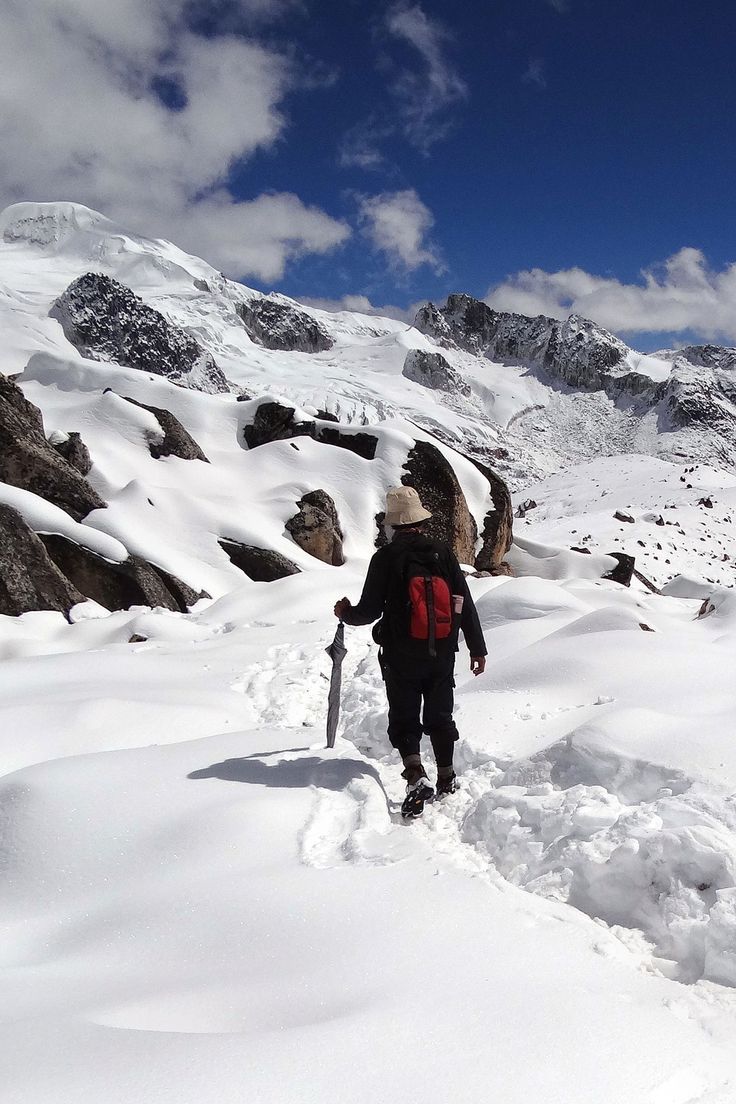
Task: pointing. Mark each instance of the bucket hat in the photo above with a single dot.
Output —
(404, 507)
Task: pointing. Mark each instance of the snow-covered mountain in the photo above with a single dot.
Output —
(202, 904)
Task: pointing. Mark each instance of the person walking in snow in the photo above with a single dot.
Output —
(416, 588)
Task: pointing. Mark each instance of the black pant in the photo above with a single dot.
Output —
(432, 687)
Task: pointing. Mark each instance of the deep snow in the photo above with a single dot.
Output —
(201, 904)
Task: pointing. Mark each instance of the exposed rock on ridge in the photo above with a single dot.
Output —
(433, 371)
(106, 321)
(279, 325)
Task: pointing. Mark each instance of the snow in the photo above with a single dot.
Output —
(202, 904)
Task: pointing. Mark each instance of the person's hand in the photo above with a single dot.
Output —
(477, 664)
(341, 607)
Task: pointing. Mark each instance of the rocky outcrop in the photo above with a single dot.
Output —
(117, 586)
(29, 579)
(276, 324)
(577, 351)
(498, 525)
(72, 448)
(623, 570)
(176, 441)
(262, 565)
(106, 321)
(316, 528)
(29, 461)
(274, 422)
(428, 471)
(701, 396)
(433, 370)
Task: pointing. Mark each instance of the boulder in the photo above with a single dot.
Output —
(29, 461)
(29, 579)
(427, 470)
(177, 441)
(117, 586)
(434, 371)
(275, 422)
(276, 324)
(105, 320)
(72, 448)
(498, 523)
(262, 565)
(624, 569)
(316, 528)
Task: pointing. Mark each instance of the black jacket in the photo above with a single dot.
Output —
(384, 574)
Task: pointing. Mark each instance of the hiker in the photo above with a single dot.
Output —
(416, 588)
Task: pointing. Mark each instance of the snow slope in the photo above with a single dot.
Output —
(202, 905)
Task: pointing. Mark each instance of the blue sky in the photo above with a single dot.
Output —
(542, 153)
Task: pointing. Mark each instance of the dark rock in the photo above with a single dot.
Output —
(660, 520)
(433, 371)
(621, 516)
(262, 565)
(201, 285)
(647, 582)
(274, 422)
(502, 568)
(646, 628)
(177, 441)
(28, 461)
(623, 570)
(436, 483)
(577, 351)
(325, 416)
(524, 507)
(316, 528)
(707, 502)
(117, 586)
(136, 638)
(278, 325)
(498, 523)
(73, 449)
(29, 580)
(106, 321)
(580, 548)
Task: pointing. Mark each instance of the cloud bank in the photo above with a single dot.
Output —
(88, 121)
(683, 294)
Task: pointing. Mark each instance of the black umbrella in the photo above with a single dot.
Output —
(337, 652)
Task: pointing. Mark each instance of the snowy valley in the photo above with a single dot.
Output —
(201, 904)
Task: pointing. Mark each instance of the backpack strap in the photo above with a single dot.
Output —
(429, 592)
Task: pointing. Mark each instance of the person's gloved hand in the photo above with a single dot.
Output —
(477, 664)
(341, 607)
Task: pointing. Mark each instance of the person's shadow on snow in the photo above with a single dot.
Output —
(328, 774)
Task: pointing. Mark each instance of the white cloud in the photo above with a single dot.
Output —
(535, 73)
(84, 122)
(397, 224)
(683, 294)
(361, 304)
(424, 96)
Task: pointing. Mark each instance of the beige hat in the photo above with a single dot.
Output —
(404, 507)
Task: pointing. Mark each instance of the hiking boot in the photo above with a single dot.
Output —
(446, 785)
(416, 795)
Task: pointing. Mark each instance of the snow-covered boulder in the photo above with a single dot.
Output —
(433, 370)
(278, 324)
(316, 528)
(29, 579)
(106, 321)
(29, 461)
(175, 440)
(262, 565)
(73, 449)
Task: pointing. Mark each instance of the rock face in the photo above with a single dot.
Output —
(432, 370)
(316, 528)
(437, 485)
(117, 585)
(29, 580)
(73, 449)
(279, 325)
(702, 395)
(576, 351)
(106, 321)
(177, 441)
(274, 422)
(28, 461)
(262, 565)
(497, 526)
